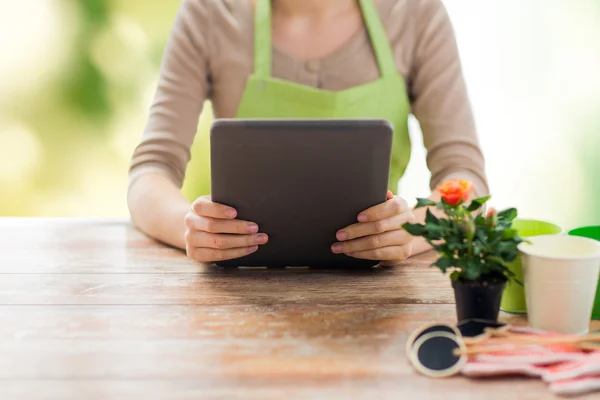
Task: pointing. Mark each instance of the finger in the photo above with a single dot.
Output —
(371, 228)
(205, 255)
(396, 205)
(213, 225)
(224, 241)
(392, 238)
(203, 206)
(396, 254)
(390, 195)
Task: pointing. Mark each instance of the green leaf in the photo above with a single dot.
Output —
(454, 276)
(477, 203)
(437, 247)
(454, 242)
(443, 263)
(506, 250)
(508, 214)
(480, 234)
(480, 220)
(471, 274)
(482, 200)
(510, 257)
(516, 280)
(424, 203)
(498, 260)
(445, 223)
(431, 219)
(414, 229)
(434, 232)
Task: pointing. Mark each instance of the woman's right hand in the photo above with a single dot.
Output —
(213, 234)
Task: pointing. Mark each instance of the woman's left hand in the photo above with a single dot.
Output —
(378, 235)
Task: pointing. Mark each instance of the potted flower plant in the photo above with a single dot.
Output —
(474, 246)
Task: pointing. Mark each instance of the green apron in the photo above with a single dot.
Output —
(269, 97)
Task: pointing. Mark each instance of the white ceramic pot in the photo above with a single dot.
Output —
(561, 276)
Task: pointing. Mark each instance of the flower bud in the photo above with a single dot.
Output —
(469, 228)
(491, 218)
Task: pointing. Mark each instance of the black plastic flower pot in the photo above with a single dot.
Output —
(479, 300)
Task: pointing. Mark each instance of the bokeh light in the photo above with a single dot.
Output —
(18, 139)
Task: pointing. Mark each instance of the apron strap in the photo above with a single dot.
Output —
(263, 46)
(262, 39)
(379, 40)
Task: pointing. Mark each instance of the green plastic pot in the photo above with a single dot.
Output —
(513, 298)
(592, 232)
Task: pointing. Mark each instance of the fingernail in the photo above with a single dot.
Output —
(341, 235)
(262, 238)
(252, 249)
(337, 248)
(252, 228)
(362, 218)
(231, 213)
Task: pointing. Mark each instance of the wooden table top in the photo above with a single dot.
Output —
(92, 309)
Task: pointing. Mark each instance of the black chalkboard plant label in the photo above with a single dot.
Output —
(474, 246)
(429, 328)
(434, 354)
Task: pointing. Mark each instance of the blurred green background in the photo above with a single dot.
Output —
(78, 77)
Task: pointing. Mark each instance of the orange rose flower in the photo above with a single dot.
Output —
(455, 191)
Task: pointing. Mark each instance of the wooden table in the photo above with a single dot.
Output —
(92, 309)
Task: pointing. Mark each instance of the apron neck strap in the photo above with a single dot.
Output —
(379, 39)
(263, 48)
(263, 45)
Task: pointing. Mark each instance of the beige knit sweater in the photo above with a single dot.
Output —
(209, 56)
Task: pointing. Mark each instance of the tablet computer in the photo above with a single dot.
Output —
(301, 181)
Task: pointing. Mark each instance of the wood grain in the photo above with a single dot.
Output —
(228, 288)
(93, 309)
(410, 387)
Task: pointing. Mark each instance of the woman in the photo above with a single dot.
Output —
(302, 58)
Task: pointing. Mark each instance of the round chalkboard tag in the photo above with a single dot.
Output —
(424, 330)
(433, 354)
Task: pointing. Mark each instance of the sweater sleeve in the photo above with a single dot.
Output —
(181, 91)
(440, 101)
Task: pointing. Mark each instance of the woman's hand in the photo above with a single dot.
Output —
(213, 234)
(378, 235)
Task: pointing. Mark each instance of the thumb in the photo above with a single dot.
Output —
(390, 195)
